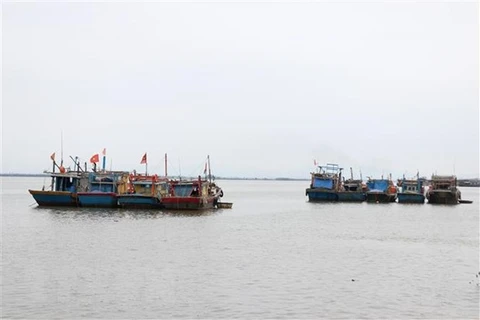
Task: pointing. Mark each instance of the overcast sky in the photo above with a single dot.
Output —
(263, 88)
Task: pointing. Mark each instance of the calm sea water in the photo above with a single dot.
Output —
(273, 255)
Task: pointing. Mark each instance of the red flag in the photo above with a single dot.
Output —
(314, 162)
(205, 170)
(94, 158)
(104, 152)
(52, 156)
(144, 159)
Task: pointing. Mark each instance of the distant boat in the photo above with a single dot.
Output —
(381, 191)
(326, 186)
(192, 194)
(412, 190)
(103, 188)
(145, 192)
(443, 190)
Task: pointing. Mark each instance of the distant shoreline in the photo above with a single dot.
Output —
(475, 182)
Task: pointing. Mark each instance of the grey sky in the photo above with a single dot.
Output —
(264, 88)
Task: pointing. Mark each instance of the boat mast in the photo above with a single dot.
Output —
(166, 175)
(351, 173)
(53, 170)
(104, 159)
(209, 171)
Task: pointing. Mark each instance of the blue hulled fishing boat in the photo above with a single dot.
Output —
(65, 184)
(412, 190)
(325, 183)
(381, 190)
(103, 188)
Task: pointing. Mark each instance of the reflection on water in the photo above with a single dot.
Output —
(273, 255)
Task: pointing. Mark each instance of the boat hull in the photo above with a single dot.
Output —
(332, 196)
(321, 195)
(411, 198)
(98, 199)
(443, 197)
(224, 205)
(55, 198)
(136, 201)
(380, 197)
(189, 203)
(351, 196)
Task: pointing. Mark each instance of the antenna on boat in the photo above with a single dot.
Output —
(179, 170)
(61, 147)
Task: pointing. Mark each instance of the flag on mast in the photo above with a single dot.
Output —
(205, 169)
(144, 159)
(52, 156)
(314, 162)
(94, 158)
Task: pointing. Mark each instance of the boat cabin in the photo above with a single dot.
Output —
(115, 181)
(412, 186)
(68, 182)
(443, 182)
(147, 185)
(326, 177)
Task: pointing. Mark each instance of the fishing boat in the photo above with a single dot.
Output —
(443, 189)
(63, 188)
(351, 190)
(412, 190)
(324, 184)
(144, 192)
(194, 194)
(381, 190)
(103, 188)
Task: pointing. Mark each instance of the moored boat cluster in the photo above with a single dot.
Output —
(328, 185)
(123, 189)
